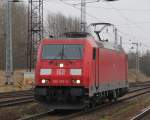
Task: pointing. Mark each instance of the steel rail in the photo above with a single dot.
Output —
(16, 94)
(37, 116)
(140, 85)
(135, 90)
(16, 101)
(22, 91)
(136, 84)
(142, 114)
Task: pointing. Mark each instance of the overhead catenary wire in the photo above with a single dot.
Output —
(129, 22)
(122, 9)
(132, 24)
(96, 18)
(79, 9)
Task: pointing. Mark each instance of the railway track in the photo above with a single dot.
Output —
(130, 95)
(37, 116)
(131, 90)
(16, 94)
(16, 101)
(15, 98)
(142, 114)
(139, 84)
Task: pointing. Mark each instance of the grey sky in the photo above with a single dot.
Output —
(132, 17)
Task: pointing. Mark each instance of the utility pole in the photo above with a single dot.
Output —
(8, 47)
(116, 36)
(8, 44)
(83, 16)
(83, 12)
(137, 60)
(120, 41)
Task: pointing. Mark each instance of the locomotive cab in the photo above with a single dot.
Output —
(60, 72)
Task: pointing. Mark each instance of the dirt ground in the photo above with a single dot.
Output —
(121, 111)
(16, 112)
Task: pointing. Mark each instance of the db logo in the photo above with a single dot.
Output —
(61, 72)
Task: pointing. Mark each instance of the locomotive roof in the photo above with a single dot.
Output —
(95, 43)
(84, 36)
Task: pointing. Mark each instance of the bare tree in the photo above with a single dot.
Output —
(19, 21)
(145, 63)
(131, 60)
(19, 35)
(58, 24)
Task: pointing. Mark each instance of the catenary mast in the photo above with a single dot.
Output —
(8, 45)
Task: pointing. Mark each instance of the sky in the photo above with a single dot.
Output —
(132, 17)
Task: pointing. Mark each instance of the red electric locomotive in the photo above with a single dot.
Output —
(78, 71)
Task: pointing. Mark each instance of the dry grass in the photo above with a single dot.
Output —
(18, 75)
(19, 83)
(141, 76)
(1, 75)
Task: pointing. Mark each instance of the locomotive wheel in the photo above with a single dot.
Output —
(110, 99)
(87, 104)
(93, 103)
(114, 96)
(87, 108)
(115, 100)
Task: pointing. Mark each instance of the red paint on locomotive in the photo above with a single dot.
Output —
(98, 73)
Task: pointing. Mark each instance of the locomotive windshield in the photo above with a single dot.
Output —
(62, 52)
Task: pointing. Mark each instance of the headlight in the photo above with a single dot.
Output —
(76, 81)
(61, 65)
(75, 71)
(45, 71)
(43, 81)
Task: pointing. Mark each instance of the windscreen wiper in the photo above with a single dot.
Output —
(58, 55)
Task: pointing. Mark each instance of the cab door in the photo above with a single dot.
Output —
(96, 67)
